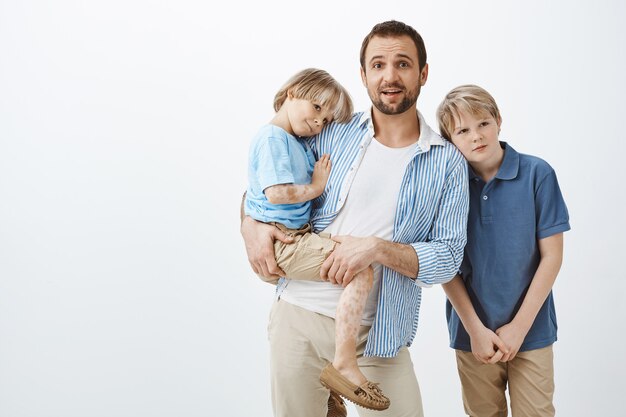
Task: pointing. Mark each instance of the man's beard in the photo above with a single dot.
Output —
(399, 108)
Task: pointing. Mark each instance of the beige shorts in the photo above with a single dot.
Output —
(303, 258)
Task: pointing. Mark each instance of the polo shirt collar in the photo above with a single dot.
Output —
(510, 164)
(427, 138)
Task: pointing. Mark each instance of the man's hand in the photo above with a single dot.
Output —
(351, 256)
(513, 336)
(487, 347)
(259, 239)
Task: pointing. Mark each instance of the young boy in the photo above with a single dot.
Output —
(283, 179)
(500, 309)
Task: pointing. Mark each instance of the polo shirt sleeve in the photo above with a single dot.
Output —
(550, 209)
(441, 255)
(273, 164)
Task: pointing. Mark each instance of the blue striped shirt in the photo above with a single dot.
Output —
(431, 216)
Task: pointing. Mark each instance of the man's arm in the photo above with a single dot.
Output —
(441, 254)
(513, 333)
(353, 255)
(487, 347)
(259, 240)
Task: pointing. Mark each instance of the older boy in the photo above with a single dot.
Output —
(501, 315)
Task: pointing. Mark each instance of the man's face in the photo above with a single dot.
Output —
(392, 75)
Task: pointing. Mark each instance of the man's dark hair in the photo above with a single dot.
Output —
(393, 28)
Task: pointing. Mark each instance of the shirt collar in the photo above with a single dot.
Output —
(427, 138)
(509, 167)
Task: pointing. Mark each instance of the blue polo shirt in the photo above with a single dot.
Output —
(507, 217)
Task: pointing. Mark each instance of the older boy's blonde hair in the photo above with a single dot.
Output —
(318, 86)
(469, 98)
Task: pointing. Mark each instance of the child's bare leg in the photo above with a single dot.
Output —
(347, 323)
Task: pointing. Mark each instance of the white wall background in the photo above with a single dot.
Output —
(124, 127)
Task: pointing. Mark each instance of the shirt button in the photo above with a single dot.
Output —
(485, 197)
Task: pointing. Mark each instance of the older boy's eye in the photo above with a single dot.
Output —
(317, 107)
(484, 123)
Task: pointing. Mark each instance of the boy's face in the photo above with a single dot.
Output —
(476, 136)
(392, 75)
(307, 118)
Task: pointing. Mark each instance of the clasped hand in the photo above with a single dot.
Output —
(499, 346)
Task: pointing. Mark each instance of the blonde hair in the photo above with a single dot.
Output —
(468, 98)
(318, 86)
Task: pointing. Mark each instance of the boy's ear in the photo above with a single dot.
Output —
(499, 123)
(289, 94)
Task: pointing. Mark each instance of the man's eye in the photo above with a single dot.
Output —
(404, 64)
(377, 66)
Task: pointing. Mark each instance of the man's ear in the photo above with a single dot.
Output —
(363, 79)
(424, 75)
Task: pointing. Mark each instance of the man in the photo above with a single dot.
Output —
(396, 200)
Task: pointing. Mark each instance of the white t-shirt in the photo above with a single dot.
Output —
(369, 210)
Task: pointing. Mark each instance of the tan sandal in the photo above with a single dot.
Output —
(336, 406)
(368, 395)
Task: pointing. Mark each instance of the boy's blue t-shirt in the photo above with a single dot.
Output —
(276, 157)
(508, 216)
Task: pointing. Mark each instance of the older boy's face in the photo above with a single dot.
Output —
(476, 136)
(392, 75)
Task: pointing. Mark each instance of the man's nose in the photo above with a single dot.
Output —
(390, 73)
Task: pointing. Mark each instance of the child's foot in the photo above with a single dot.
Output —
(351, 372)
(367, 395)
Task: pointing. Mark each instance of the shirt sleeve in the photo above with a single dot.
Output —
(441, 255)
(550, 209)
(273, 164)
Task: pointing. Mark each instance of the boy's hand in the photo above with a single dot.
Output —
(487, 347)
(513, 336)
(321, 172)
(259, 239)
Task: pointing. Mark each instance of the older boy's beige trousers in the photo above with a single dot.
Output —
(530, 376)
(303, 342)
